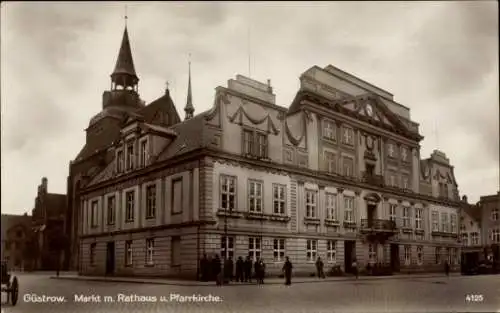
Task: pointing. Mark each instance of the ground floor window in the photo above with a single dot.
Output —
(150, 246)
(420, 255)
(437, 254)
(227, 247)
(407, 255)
(92, 253)
(279, 250)
(311, 250)
(372, 252)
(254, 248)
(128, 253)
(331, 251)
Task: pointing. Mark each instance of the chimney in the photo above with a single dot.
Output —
(464, 198)
(44, 184)
(269, 88)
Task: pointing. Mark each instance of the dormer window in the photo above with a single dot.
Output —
(120, 161)
(143, 152)
(255, 143)
(130, 156)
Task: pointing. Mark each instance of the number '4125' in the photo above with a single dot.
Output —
(474, 298)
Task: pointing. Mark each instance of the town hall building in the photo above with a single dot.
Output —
(335, 174)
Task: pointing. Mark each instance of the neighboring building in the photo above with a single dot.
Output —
(470, 227)
(16, 237)
(338, 174)
(48, 225)
(490, 218)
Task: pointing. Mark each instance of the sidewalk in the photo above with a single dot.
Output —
(268, 281)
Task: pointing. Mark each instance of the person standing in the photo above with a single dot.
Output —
(262, 271)
(256, 270)
(287, 268)
(319, 268)
(216, 268)
(239, 269)
(204, 267)
(355, 268)
(447, 268)
(248, 269)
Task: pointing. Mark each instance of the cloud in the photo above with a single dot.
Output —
(437, 58)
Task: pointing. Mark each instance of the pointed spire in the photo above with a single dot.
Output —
(124, 74)
(189, 109)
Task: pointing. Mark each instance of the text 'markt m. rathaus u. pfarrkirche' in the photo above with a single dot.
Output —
(337, 174)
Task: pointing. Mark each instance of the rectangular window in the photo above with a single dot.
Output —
(444, 222)
(331, 251)
(279, 199)
(111, 210)
(437, 254)
(279, 250)
(329, 131)
(407, 255)
(420, 255)
(435, 221)
(311, 203)
(94, 214)
(372, 253)
(406, 183)
(404, 154)
(227, 246)
(129, 206)
(248, 142)
(390, 150)
(453, 221)
(143, 153)
(495, 235)
(465, 239)
(392, 212)
(494, 214)
(150, 201)
(254, 248)
(150, 249)
(349, 209)
(128, 253)
(176, 251)
(331, 206)
(177, 196)
(418, 218)
(474, 238)
(228, 192)
(330, 162)
(255, 202)
(262, 141)
(348, 167)
(130, 156)
(406, 217)
(392, 180)
(120, 162)
(348, 136)
(311, 250)
(92, 253)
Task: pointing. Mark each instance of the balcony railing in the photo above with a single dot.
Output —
(375, 225)
(377, 180)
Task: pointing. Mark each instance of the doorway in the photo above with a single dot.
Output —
(110, 258)
(370, 214)
(395, 257)
(349, 254)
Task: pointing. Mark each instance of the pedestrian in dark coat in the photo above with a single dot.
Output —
(355, 268)
(287, 268)
(256, 270)
(319, 268)
(248, 270)
(261, 271)
(216, 268)
(447, 268)
(204, 267)
(240, 264)
(228, 270)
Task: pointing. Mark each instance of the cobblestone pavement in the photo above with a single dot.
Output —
(401, 295)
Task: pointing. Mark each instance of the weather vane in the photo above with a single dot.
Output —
(126, 15)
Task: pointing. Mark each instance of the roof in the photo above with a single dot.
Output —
(125, 63)
(154, 112)
(473, 211)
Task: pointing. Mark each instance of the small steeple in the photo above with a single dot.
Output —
(124, 74)
(189, 109)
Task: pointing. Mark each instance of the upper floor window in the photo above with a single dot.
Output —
(130, 156)
(391, 151)
(177, 196)
(94, 213)
(255, 196)
(331, 206)
(330, 162)
(418, 218)
(453, 222)
(435, 221)
(465, 239)
(143, 153)
(406, 182)
(311, 203)
(474, 238)
(227, 192)
(111, 210)
(348, 136)
(494, 214)
(279, 199)
(444, 222)
(406, 217)
(349, 209)
(404, 154)
(392, 212)
(392, 180)
(329, 130)
(255, 143)
(495, 235)
(120, 161)
(348, 167)
(150, 201)
(129, 206)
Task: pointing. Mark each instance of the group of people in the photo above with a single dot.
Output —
(211, 269)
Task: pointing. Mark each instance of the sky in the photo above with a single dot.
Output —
(440, 59)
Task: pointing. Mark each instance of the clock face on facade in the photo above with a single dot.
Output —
(369, 110)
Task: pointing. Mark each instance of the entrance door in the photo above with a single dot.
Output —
(349, 254)
(110, 258)
(395, 257)
(370, 212)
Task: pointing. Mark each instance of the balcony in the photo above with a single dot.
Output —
(376, 180)
(377, 226)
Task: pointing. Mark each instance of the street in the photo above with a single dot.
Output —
(438, 294)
